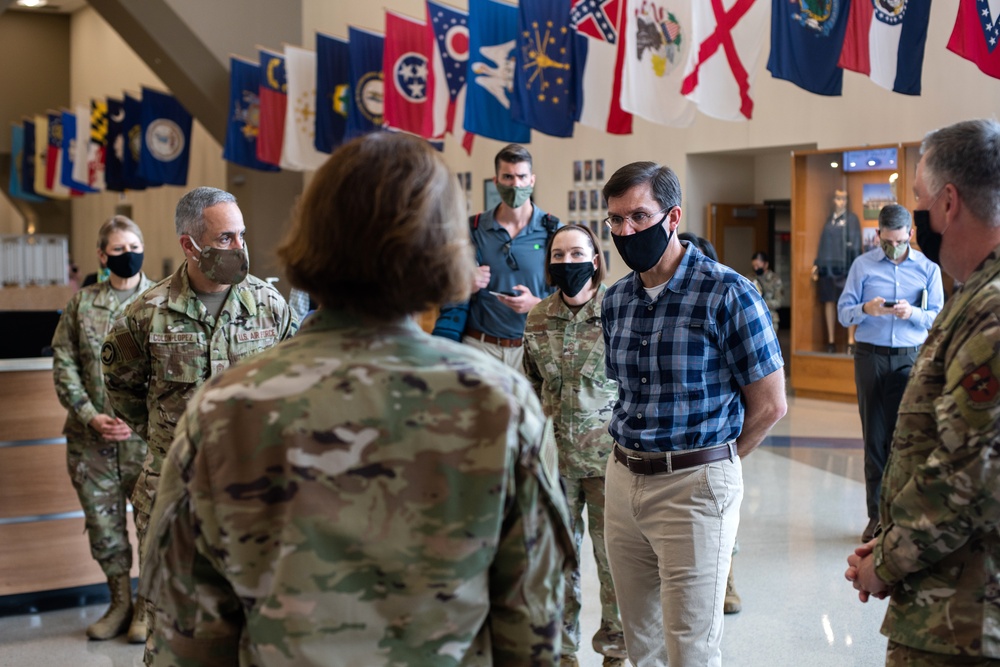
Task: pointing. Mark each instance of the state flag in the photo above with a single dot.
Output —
(722, 65)
(53, 157)
(74, 150)
(98, 144)
(28, 160)
(409, 82)
(451, 56)
(806, 41)
(885, 41)
(366, 111)
(17, 161)
(545, 78)
(273, 106)
(490, 78)
(244, 116)
(975, 35)
(333, 82)
(658, 36)
(41, 125)
(298, 149)
(166, 139)
(600, 50)
(114, 156)
(133, 145)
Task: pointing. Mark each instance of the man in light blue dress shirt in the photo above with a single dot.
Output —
(893, 293)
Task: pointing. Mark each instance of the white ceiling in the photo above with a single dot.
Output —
(53, 7)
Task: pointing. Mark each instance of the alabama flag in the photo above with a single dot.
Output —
(976, 33)
(886, 42)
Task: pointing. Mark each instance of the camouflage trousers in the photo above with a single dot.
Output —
(898, 655)
(104, 474)
(608, 641)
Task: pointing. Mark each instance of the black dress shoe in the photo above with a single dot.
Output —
(869, 532)
(831, 348)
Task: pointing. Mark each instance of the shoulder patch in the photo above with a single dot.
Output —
(107, 354)
(120, 347)
(982, 387)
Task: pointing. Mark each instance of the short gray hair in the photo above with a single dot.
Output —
(117, 223)
(893, 216)
(967, 155)
(189, 218)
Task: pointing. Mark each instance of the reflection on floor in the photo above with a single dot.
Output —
(802, 514)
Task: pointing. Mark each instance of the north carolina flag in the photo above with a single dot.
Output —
(333, 85)
(273, 103)
(658, 36)
(545, 78)
(600, 52)
(975, 35)
(887, 43)
(166, 139)
(365, 113)
(451, 54)
(298, 150)
(244, 115)
(490, 82)
(806, 41)
(409, 82)
(728, 45)
(53, 157)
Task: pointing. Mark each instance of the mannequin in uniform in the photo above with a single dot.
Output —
(839, 246)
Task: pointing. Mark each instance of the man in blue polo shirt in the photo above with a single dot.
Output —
(510, 248)
(893, 293)
(700, 383)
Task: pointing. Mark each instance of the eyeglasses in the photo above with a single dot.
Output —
(638, 220)
(511, 260)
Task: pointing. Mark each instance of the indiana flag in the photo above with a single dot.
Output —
(545, 78)
(70, 152)
(28, 162)
(333, 95)
(298, 151)
(244, 116)
(658, 36)
(886, 41)
(133, 145)
(806, 41)
(365, 113)
(490, 84)
(451, 55)
(53, 157)
(17, 161)
(409, 82)
(976, 33)
(273, 104)
(166, 139)
(728, 45)
(600, 50)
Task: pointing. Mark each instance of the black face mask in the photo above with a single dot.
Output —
(928, 240)
(572, 277)
(126, 264)
(759, 272)
(641, 251)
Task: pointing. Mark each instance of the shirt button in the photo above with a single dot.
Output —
(644, 380)
(638, 415)
(644, 343)
(649, 308)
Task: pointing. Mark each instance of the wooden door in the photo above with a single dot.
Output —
(738, 231)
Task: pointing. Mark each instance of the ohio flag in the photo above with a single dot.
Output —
(451, 53)
(886, 42)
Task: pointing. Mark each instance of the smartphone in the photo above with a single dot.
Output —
(888, 304)
(503, 293)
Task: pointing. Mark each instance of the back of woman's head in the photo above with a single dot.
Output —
(381, 230)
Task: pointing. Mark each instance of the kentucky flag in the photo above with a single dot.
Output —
(114, 156)
(367, 90)
(333, 96)
(806, 40)
(976, 34)
(244, 116)
(492, 61)
(166, 139)
(27, 170)
(133, 145)
(17, 160)
(451, 51)
(545, 78)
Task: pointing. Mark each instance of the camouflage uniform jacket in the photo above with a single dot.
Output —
(940, 503)
(76, 355)
(564, 359)
(360, 495)
(167, 344)
(771, 289)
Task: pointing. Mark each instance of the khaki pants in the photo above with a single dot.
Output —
(670, 541)
(511, 356)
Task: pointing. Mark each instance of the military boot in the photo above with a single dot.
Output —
(732, 602)
(117, 617)
(137, 628)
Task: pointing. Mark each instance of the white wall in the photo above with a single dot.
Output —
(11, 221)
(102, 64)
(784, 115)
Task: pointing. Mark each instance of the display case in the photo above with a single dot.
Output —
(825, 241)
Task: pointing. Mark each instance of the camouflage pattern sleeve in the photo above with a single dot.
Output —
(530, 367)
(528, 574)
(127, 371)
(70, 387)
(289, 321)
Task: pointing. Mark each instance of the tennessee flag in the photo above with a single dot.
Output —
(887, 43)
(975, 35)
(273, 101)
(409, 84)
(599, 52)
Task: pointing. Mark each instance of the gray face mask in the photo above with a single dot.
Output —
(894, 252)
(224, 266)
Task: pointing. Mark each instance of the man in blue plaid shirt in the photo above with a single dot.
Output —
(700, 380)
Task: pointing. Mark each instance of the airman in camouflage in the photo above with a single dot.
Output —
(209, 314)
(364, 493)
(938, 553)
(103, 456)
(768, 283)
(564, 360)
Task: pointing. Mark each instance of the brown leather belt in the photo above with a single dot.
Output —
(493, 340)
(677, 460)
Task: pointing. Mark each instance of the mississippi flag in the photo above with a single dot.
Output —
(599, 50)
(273, 104)
(887, 44)
(409, 84)
(975, 36)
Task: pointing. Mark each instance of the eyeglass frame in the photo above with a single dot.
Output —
(628, 218)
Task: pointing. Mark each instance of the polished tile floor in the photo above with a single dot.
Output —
(802, 514)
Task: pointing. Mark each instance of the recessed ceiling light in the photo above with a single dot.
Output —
(32, 3)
